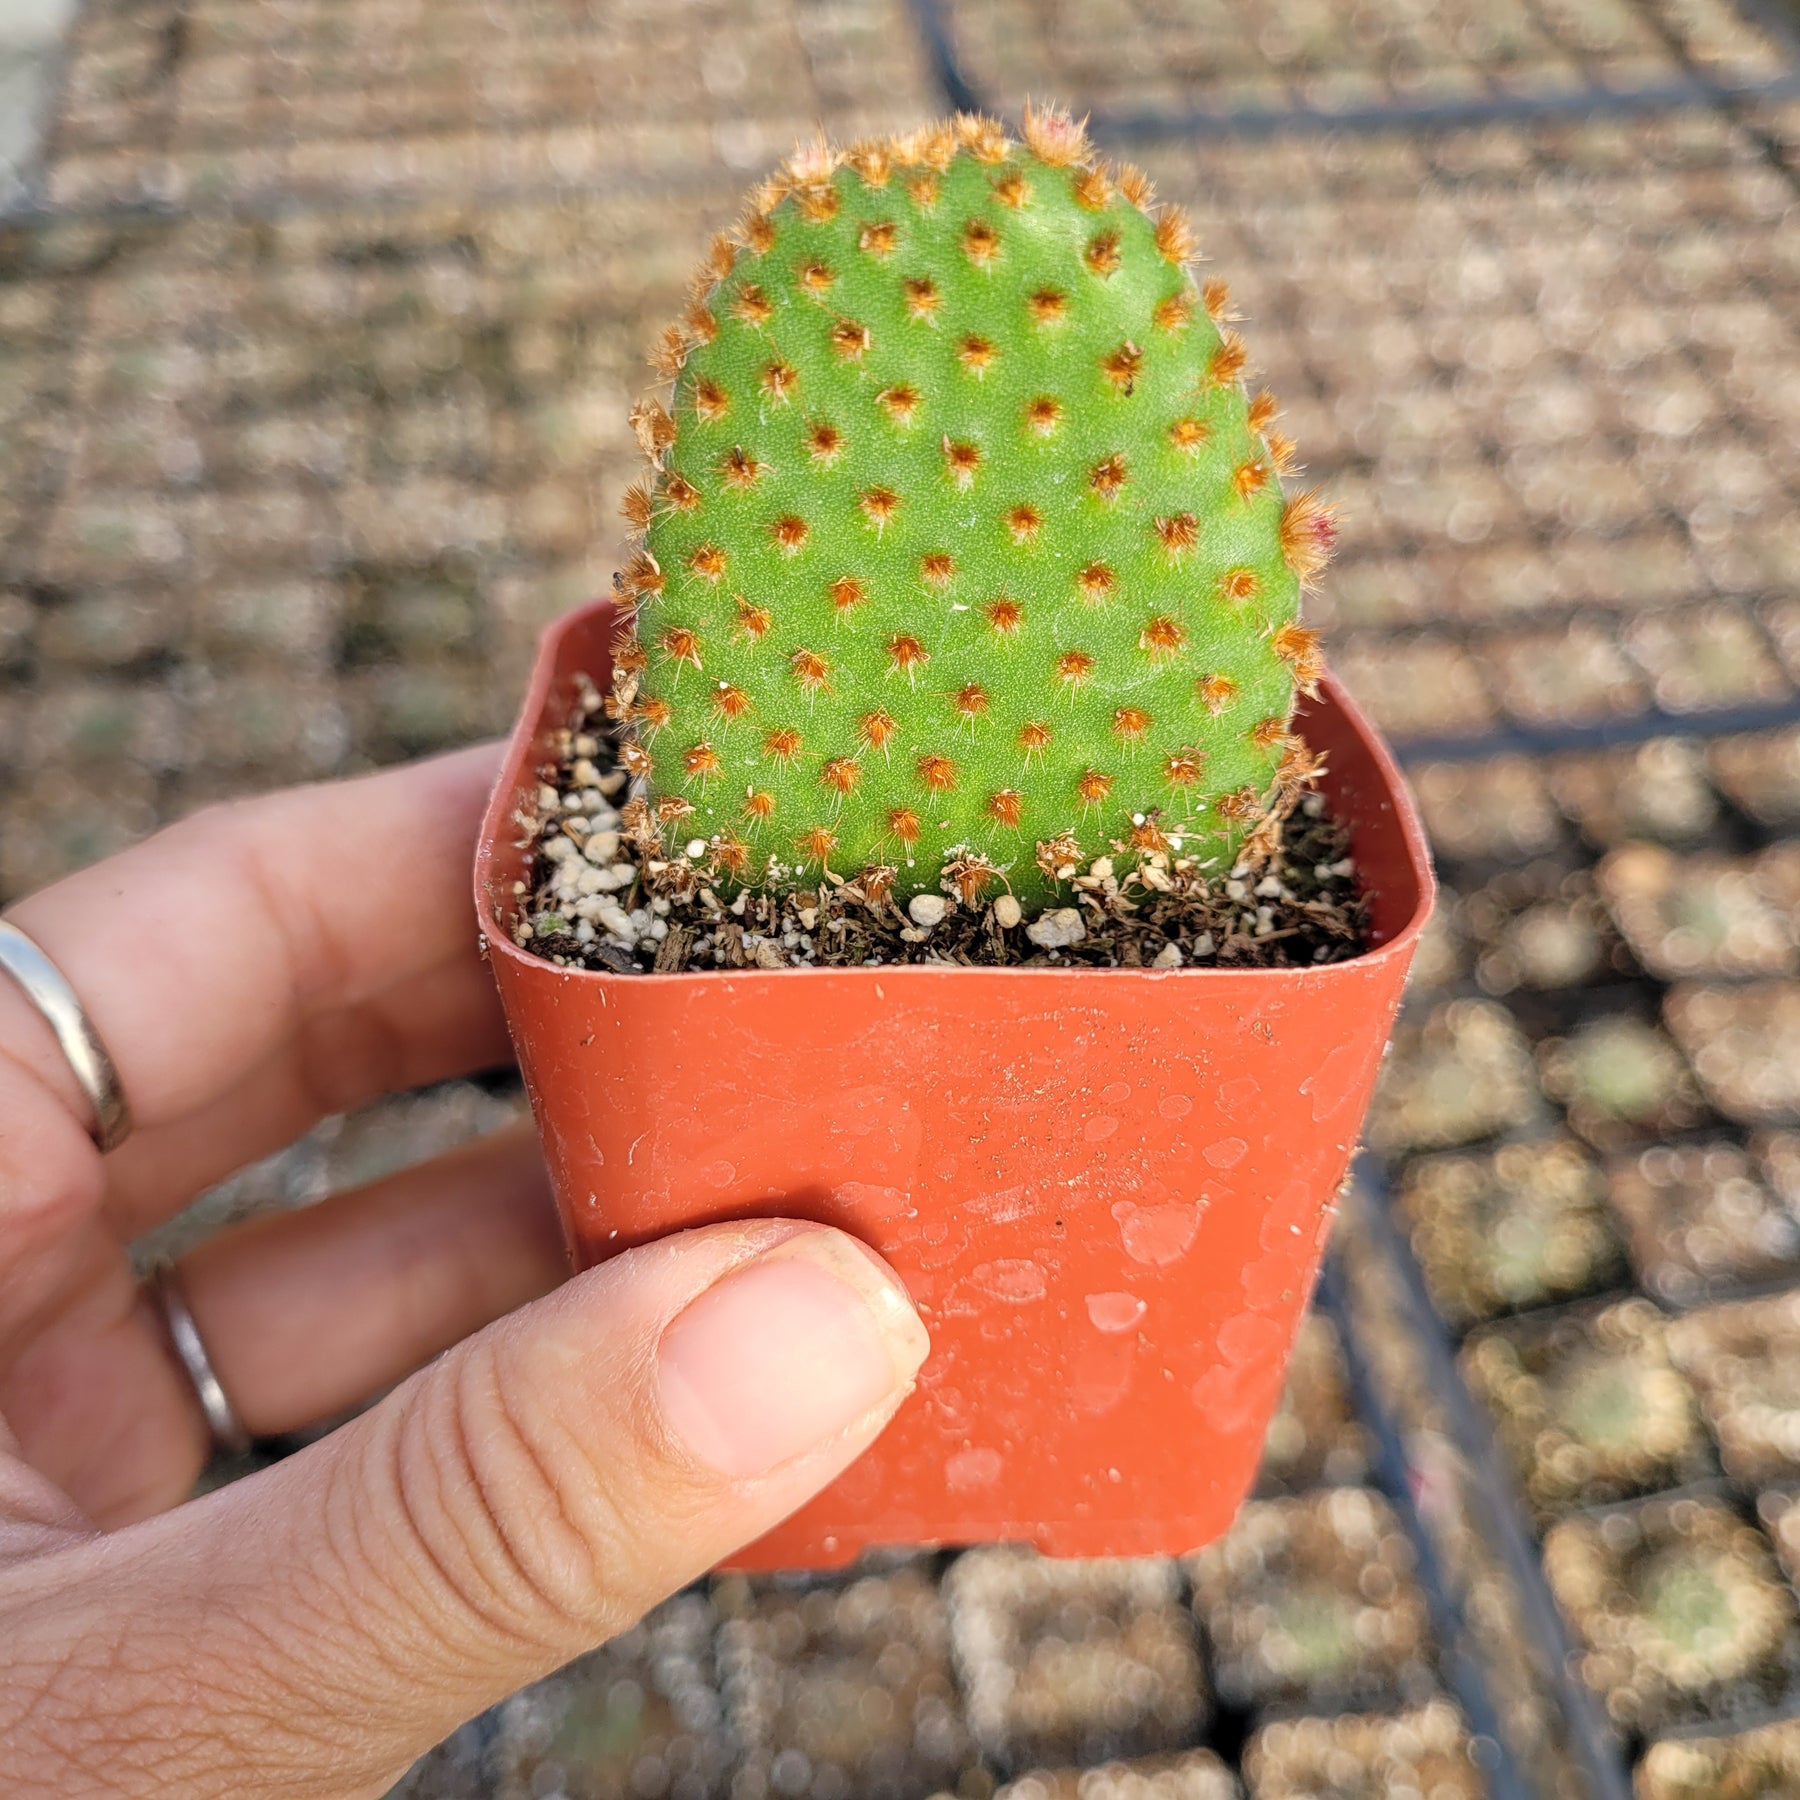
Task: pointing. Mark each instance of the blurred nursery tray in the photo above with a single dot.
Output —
(1697, 1219)
(1191, 1775)
(842, 1689)
(641, 1714)
(1706, 915)
(1311, 1602)
(1760, 1764)
(1073, 1661)
(1425, 1750)
(1620, 1080)
(1744, 1044)
(1743, 1360)
(1502, 1230)
(1316, 1435)
(1681, 1609)
(1760, 771)
(1462, 1073)
(1589, 1406)
(1540, 927)
(1652, 790)
(1495, 810)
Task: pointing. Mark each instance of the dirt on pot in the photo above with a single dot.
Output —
(613, 886)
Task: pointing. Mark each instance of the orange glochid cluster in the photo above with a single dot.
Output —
(708, 562)
(1006, 806)
(906, 653)
(840, 774)
(847, 593)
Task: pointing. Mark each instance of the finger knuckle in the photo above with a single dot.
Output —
(523, 1530)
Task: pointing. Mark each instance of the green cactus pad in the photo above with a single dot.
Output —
(963, 545)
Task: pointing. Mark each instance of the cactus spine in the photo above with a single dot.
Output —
(963, 554)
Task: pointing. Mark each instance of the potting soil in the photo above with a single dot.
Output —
(610, 888)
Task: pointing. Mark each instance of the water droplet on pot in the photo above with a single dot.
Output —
(1175, 1106)
(720, 1174)
(973, 1469)
(1115, 1091)
(1227, 1153)
(1115, 1312)
(1103, 1125)
(1156, 1234)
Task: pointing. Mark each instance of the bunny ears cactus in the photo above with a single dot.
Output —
(963, 554)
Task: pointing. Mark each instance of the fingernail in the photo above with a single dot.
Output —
(787, 1352)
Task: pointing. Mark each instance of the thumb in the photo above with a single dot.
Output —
(530, 1493)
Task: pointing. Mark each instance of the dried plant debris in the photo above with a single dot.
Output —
(1191, 1775)
(1423, 1752)
(613, 886)
(1520, 1226)
(1311, 1600)
(841, 1690)
(1760, 1764)
(1590, 1408)
(1744, 1362)
(1681, 1608)
(1697, 1218)
(1074, 1661)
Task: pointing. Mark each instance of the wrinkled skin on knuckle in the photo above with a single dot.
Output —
(531, 1531)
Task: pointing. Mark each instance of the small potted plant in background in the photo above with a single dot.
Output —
(949, 831)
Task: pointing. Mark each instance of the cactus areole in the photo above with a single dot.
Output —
(964, 553)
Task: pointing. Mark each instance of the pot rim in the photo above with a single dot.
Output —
(497, 815)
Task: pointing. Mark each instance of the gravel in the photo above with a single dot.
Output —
(604, 891)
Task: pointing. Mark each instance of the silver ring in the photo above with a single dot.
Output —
(48, 990)
(228, 1433)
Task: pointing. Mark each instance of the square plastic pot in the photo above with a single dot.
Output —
(1107, 1189)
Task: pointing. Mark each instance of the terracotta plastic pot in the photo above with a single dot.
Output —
(1106, 1189)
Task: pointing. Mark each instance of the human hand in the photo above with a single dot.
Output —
(311, 1629)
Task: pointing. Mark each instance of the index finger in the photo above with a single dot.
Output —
(313, 946)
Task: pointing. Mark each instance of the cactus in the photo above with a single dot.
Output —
(964, 555)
